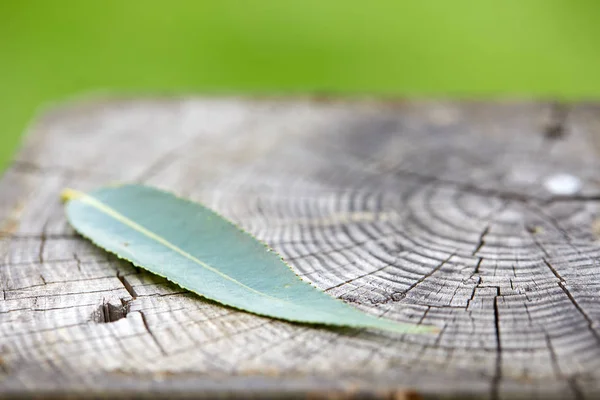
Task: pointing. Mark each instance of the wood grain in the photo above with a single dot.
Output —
(426, 212)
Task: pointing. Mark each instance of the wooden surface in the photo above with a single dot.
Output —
(430, 212)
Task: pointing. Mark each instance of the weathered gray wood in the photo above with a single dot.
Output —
(431, 212)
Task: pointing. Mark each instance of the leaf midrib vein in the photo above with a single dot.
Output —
(92, 201)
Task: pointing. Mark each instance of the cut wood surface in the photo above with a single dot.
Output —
(480, 218)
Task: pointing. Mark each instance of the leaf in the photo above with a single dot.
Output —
(201, 251)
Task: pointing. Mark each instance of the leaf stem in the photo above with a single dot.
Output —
(70, 194)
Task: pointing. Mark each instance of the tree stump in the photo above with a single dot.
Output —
(480, 218)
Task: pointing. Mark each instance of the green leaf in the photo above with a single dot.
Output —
(201, 251)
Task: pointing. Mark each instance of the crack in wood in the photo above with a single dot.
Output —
(158, 344)
(59, 260)
(562, 285)
(4, 369)
(470, 299)
(427, 275)
(78, 260)
(127, 285)
(162, 162)
(576, 389)
(481, 242)
(42, 243)
(555, 127)
(42, 295)
(358, 277)
(54, 282)
(495, 390)
(34, 309)
(108, 312)
(553, 356)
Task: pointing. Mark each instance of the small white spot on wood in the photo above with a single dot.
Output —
(563, 184)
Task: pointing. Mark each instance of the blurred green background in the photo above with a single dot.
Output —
(51, 50)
